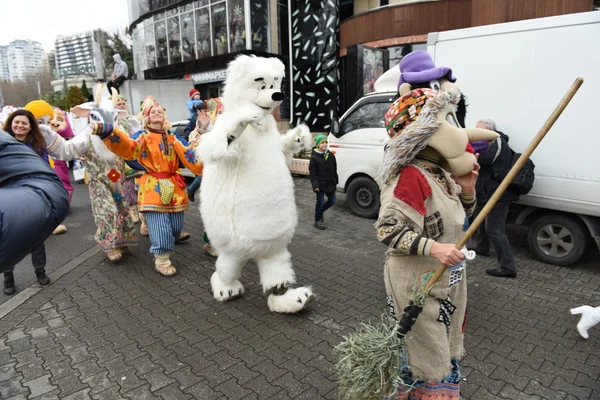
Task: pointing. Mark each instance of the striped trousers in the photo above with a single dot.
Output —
(163, 229)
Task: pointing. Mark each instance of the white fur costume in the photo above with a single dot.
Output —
(247, 195)
(590, 317)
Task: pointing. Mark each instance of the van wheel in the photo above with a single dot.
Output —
(558, 239)
(363, 197)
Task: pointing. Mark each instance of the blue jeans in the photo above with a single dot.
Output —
(321, 206)
(195, 185)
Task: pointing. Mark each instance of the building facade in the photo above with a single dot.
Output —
(4, 73)
(20, 59)
(334, 50)
(78, 55)
(376, 34)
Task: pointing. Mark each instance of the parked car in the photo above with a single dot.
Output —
(511, 73)
(358, 140)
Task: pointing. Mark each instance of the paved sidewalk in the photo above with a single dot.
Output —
(106, 331)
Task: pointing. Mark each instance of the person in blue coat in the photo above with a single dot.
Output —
(33, 201)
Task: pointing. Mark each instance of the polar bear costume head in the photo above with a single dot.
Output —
(254, 80)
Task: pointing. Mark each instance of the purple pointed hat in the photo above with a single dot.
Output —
(418, 67)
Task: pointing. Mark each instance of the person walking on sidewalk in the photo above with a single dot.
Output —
(495, 164)
(323, 177)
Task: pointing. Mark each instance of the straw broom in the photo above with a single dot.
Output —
(369, 360)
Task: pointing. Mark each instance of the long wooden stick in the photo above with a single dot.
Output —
(511, 175)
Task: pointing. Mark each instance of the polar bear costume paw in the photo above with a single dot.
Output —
(292, 301)
(223, 291)
(590, 316)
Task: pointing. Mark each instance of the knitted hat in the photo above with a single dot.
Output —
(193, 92)
(405, 110)
(319, 139)
(39, 109)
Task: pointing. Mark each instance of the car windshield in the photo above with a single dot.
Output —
(366, 116)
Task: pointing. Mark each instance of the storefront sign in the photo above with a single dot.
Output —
(75, 70)
(210, 76)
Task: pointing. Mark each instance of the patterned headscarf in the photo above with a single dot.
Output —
(411, 121)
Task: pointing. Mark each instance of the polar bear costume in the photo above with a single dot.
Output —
(247, 195)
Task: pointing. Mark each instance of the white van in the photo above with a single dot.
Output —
(514, 73)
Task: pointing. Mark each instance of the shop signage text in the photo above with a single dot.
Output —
(210, 76)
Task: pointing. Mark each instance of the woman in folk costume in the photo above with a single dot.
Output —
(115, 228)
(161, 196)
(428, 191)
(61, 125)
(43, 113)
(131, 193)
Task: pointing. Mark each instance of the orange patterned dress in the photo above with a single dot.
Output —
(161, 188)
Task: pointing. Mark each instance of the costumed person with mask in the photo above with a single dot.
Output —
(161, 196)
(427, 193)
(43, 113)
(23, 126)
(120, 73)
(115, 229)
(60, 124)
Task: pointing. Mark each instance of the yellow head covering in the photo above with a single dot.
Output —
(39, 109)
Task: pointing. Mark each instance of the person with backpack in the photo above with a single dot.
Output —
(495, 164)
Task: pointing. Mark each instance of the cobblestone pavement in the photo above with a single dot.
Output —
(106, 331)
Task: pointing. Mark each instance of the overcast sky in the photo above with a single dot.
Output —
(44, 20)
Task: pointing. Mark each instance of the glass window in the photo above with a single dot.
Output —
(174, 40)
(160, 16)
(150, 44)
(366, 116)
(203, 39)
(219, 27)
(172, 12)
(201, 3)
(162, 57)
(139, 51)
(260, 24)
(237, 25)
(188, 40)
(186, 8)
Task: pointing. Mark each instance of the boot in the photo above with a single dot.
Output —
(9, 283)
(42, 277)
(60, 230)
(162, 264)
(183, 236)
(144, 229)
(208, 249)
(133, 213)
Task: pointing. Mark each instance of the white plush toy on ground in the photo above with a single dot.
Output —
(247, 196)
(590, 316)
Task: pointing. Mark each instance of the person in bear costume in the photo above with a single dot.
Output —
(247, 196)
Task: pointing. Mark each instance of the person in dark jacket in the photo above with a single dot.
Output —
(495, 164)
(33, 201)
(323, 177)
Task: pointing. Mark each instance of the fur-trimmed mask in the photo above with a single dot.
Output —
(423, 123)
(61, 125)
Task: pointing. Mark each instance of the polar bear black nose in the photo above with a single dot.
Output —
(277, 96)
